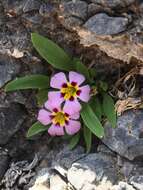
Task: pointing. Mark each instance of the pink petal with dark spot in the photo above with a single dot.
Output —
(76, 77)
(55, 98)
(72, 107)
(56, 130)
(75, 116)
(49, 106)
(58, 80)
(85, 93)
(44, 117)
(73, 127)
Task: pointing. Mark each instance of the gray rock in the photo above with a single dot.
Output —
(141, 7)
(57, 183)
(89, 187)
(16, 44)
(102, 24)
(14, 97)
(4, 161)
(92, 169)
(60, 158)
(66, 157)
(126, 168)
(79, 176)
(137, 182)
(35, 19)
(11, 119)
(76, 9)
(47, 179)
(127, 138)
(8, 69)
(19, 174)
(41, 179)
(94, 9)
(72, 22)
(14, 6)
(122, 186)
(73, 14)
(31, 5)
(43, 172)
(2, 16)
(114, 3)
(40, 184)
(47, 9)
(95, 171)
(105, 150)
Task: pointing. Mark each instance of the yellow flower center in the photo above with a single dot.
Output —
(60, 118)
(70, 91)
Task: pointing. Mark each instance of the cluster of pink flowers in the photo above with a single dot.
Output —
(62, 109)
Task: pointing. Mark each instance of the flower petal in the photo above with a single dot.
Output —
(49, 106)
(58, 80)
(76, 77)
(55, 99)
(56, 130)
(85, 93)
(72, 107)
(44, 117)
(75, 116)
(73, 127)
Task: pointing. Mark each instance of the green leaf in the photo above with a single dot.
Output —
(96, 106)
(52, 53)
(109, 109)
(91, 121)
(66, 137)
(88, 138)
(92, 72)
(35, 129)
(42, 96)
(28, 82)
(103, 86)
(81, 68)
(74, 141)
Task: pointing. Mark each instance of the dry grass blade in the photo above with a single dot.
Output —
(127, 104)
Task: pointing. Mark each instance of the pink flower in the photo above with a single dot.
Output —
(59, 120)
(69, 91)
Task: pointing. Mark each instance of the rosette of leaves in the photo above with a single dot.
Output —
(100, 106)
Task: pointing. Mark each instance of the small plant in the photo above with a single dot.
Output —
(72, 102)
